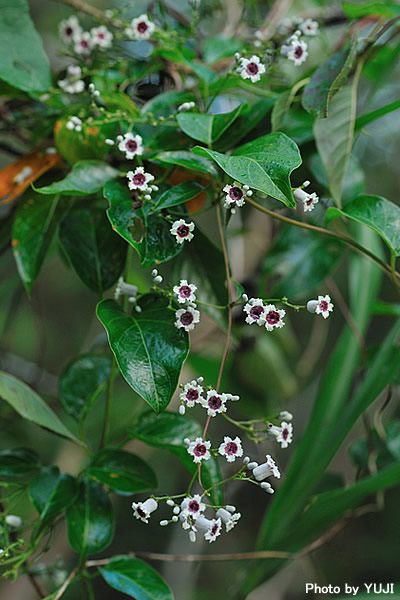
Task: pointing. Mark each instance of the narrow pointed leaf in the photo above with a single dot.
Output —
(135, 578)
(51, 493)
(86, 177)
(122, 471)
(18, 461)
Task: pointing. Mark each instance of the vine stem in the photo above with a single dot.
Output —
(390, 272)
(91, 10)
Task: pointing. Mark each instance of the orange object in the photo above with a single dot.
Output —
(179, 176)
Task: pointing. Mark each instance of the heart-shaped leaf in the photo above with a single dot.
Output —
(135, 578)
(207, 128)
(149, 349)
(264, 164)
(86, 177)
(122, 471)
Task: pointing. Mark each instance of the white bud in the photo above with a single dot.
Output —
(312, 306)
(237, 55)
(246, 187)
(306, 183)
(170, 502)
(252, 465)
(285, 415)
(154, 273)
(158, 279)
(91, 87)
(235, 398)
(119, 138)
(176, 510)
(186, 441)
(192, 536)
(249, 193)
(131, 300)
(147, 197)
(200, 379)
(245, 297)
(155, 188)
(182, 409)
(96, 93)
(109, 142)
(138, 309)
(78, 128)
(246, 460)
(174, 519)
(69, 125)
(233, 211)
(230, 508)
(14, 521)
(164, 523)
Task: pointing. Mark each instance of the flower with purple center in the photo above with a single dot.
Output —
(131, 145)
(214, 403)
(192, 506)
(69, 29)
(185, 292)
(228, 519)
(182, 231)
(251, 68)
(83, 43)
(266, 469)
(143, 510)
(297, 51)
(273, 317)
(285, 436)
(211, 528)
(309, 27)
(309, 200)
(235, 195)
(187, 318)
(199, 449)
(101, 37)
(255, 310)
(191, 393)
(139, 179)
(141, 28)
(231, 449)
(324, 306)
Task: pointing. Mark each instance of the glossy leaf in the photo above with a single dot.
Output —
(82, 382)
(205, 127)
(149, 234)
(328, 79)
(90, 520)
(86, 177)
(218, 47)
(281, 107)
(94, 250)
(18, 461)
(29, 405)
(301, 260)
(248, 122)
(376, 212)
(183, 158)
(264, 164)
(35, 222)
(135, 578)
(149, 349)
(122, 471)
(24, 63)
(179, 194)
(383, 9)
(51, 493)
(87, 144)
(168, 431)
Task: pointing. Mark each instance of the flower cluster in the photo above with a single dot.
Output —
(74, 124)
(72, 84)
(235, 195)
(264, 314)
(188, 316)
(294, 48)
(83, 42)
(214, 402)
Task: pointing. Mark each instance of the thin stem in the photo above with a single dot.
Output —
(107, 413)
(94, 12)
(66, 583)
(393, 271)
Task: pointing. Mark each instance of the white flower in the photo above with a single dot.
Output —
(191, 393)
(309, 200)
(230, 448)
(101, 36)
(74, 123)
(187, 318)
(182, 231)
(73, 84)
(186, 106)
(185, 292)
(266, 469)
(273, 317)
(83, 43)
(14, 521)
(324, 307)
(199, 449)
(309, 27)
(251, 68)
(23, 175)
(235, 194)
(210, 527)
(143, 510)
(214, 403)
(125, 289)
(193, 507)
(255, 310)
(229, 519)
(139, 179)
(131, 145)
(69, 29)
(285, 435)
(297, 51)
(141, 28)
(285, 415)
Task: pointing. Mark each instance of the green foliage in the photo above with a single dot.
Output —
(383, 9)
(86, 177)
(122, 471)
(179, 194)
(18, 461)
(207, 128)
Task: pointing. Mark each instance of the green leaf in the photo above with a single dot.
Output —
(263, 164)
(149, 349)
(219, 47)
(122, 471)
(51, 493)
(383, 9)
(249, 120)
(94, 250)
(376, 212)
(393, 439)
(90, 520)
(81, 383)
(281, 107)
(149, 234)
(35, 222)
(376, 114)
(86, 177)
(178, 194)
(334, 137)
(183, 158)
(89, 143)
(18, 461)
(168, 431)
(328, 79)
(205, 127)
(30, 405)
(354, 179)
(135, 578)
(302, 260)
(24, 63)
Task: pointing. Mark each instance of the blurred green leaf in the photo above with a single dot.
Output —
(376, 212)
(205, 127)
(354, 179)
(90, 520)
(328, 79)
(35, 222)
(178, 194)
(393, 439)
(263, 164)
(89, 143)
(168, 431)
(18, 461)
(219, 47)
(149, 349)
(81, 383)
(135, 578)
(24, 63)
(29, 405)
(376, 114)
(184, 158)
(248, 122)
(165, 103)
(383, 9)
(86, 177)
(122, 471)
(281, 106)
